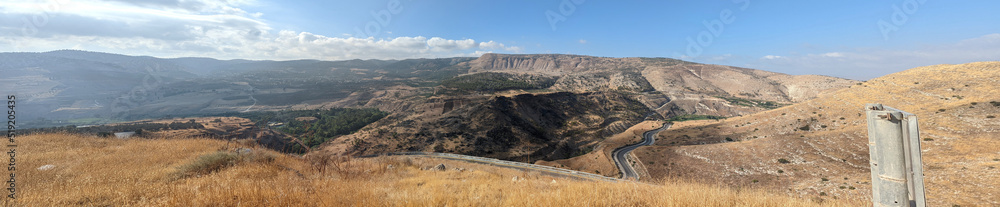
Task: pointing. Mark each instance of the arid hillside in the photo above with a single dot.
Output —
(818, 148)
(690, 88)
(75, 170)
(525, 127)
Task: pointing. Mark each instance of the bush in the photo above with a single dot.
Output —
(214, 162)
(990, 117)
(804, 128)
(208, 163)
(824, 179)
(783, 161)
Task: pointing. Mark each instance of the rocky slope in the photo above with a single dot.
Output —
(524, 127)
(818, 148)
(691, 87)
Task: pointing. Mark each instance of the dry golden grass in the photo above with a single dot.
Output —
(960, 149)
(91, 171)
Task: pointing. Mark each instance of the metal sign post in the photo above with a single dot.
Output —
(894, 146)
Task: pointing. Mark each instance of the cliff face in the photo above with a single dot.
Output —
(679, 87)
(549, 64)
(587, 73)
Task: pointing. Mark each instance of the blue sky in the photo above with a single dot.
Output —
(836, 38)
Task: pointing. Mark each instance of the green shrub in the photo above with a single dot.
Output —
(208, 163)
(217, 161)
(783, 161)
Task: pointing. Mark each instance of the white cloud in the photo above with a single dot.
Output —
(867, 63)
(833, 54)
(491, 45)
(583, 41)
(209, 28)
(771, 57)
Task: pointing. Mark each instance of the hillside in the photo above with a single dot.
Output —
(819, 147)
(74, 170)
(549, 107)
(524, 127)
(516, 107)
(686, 87)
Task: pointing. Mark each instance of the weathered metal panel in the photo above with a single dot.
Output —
(894, 146)
(871, 110)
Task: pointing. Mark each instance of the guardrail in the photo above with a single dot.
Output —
(896, 167)
(492, 161)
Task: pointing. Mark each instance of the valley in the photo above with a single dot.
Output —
(801, 135)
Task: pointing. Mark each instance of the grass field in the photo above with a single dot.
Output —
(91, 171)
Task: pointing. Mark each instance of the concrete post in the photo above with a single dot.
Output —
(894, 146)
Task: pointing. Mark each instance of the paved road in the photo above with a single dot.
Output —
(620, 155)
(553, 171)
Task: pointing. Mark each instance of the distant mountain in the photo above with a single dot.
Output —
(526, 103)
(518, 107)
(692, 87)
(81, 87)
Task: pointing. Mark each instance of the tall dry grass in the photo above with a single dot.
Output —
(91, 171)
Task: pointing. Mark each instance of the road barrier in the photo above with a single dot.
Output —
(894, 147)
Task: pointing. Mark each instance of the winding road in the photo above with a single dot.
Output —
(552, 171)
(620, 155)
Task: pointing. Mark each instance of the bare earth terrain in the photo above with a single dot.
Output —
(818, 148)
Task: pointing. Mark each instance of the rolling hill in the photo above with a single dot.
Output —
(818, 148)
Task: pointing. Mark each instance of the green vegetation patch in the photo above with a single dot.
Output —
(752, 102)
(109, 130)
(214, 162)
(328, 123)
(491, 81)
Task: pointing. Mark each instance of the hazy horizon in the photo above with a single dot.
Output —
(854, 39)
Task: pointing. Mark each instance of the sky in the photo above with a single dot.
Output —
(856, 39)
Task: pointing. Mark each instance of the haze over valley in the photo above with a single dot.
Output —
(567, 103)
